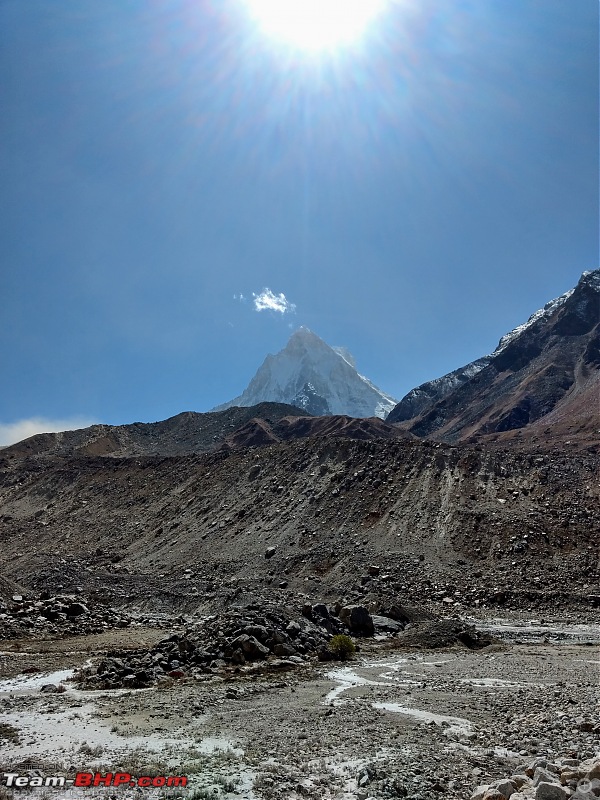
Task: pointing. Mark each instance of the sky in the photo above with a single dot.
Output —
(180, 190)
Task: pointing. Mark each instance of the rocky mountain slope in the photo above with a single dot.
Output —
(342, 520)
(313, 376)
(542, 374)
(207, 510)
(258, 432)
(188, 432)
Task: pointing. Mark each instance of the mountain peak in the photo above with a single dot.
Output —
(305, 338)
(320, 379)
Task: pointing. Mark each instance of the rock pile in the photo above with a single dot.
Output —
(58, 614)
(257, 633)
(560, 779)
(234, 639)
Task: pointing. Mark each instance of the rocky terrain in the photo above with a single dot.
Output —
(175, 615)
(393, 722)
(449, 527)
(172, 594)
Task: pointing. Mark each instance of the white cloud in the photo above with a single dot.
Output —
(269, 301)
(24, 428)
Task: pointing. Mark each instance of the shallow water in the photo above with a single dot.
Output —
(426, 716)
(534, 631)
(34, 682)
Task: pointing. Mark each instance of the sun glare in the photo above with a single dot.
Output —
(314, 25)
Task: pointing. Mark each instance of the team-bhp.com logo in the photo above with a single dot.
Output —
(91, 779)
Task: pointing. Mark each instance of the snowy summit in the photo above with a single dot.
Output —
(315, 377)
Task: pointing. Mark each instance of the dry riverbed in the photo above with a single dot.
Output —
(389, 723)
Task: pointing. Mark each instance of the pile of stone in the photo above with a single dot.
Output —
(560, 779)
(236, 638)
(61, 614)
(257, 633)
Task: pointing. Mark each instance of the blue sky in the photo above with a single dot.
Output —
(414, 195)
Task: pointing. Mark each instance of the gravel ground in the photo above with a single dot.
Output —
(386, 724)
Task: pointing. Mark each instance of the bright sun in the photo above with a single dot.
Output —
(314, 25)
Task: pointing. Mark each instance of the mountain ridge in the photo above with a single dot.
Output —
(548, 363)
(186, 433)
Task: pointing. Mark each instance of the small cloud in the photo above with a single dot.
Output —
(269, 301)
(24, 428)
(239, 297)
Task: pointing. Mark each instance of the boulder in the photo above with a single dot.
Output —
(550, 791)
(258, 632)
(250, 646)
(75, 609)
(358, 619)
(594, 771)
(542, 775)
(386, 624)
(506, 788)
(284, 650)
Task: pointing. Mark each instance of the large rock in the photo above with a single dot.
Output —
(358, 619)
(250, 646)
(75, 609)
(594, 771)
(506, 788)
(386, 625)
(550, 791)
(542, 775)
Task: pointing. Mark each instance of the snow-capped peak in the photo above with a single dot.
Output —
(320, 379)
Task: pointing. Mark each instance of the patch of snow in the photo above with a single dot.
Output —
(348, 679)
(32, 683)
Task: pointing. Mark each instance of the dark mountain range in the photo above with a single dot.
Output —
(543, 374)
(188, 432)
(259, 432)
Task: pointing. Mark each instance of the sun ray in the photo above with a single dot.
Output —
(314, 25)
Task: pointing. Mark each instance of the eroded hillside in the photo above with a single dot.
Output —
(440, 525)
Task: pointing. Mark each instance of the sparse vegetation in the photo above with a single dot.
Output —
(228, 784)
(342, 647)
(88, 750)
(8, 733)
(202, 794)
